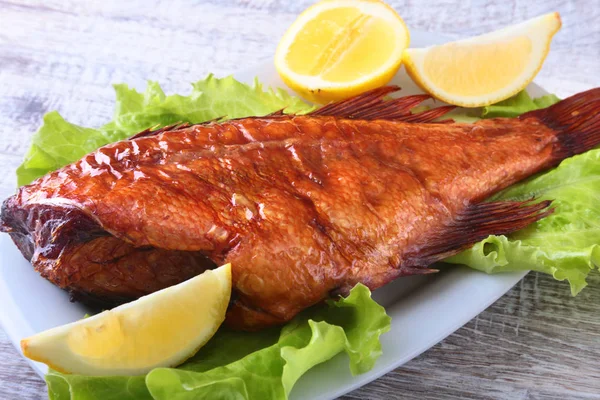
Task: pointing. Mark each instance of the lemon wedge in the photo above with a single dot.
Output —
(162, 329)
(339, 48)
(485, 69)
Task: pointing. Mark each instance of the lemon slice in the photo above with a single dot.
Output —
(339, 48)
(162, 329)
(485, 69)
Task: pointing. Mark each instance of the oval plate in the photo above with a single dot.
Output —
(424, 310)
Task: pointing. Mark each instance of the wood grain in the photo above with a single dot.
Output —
(17, 379)
(537, 342)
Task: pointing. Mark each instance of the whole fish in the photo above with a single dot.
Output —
(303, 206)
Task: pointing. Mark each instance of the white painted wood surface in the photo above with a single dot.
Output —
(537, 342)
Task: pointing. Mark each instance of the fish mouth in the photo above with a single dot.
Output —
(45, 229)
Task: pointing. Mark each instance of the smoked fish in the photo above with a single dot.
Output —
(303, 206)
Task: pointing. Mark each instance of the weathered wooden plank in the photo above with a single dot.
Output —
(8, 180)
(65, 56)
(536, 342)
(17, 380)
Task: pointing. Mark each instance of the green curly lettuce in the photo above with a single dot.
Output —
(517, 105)
(243, 365)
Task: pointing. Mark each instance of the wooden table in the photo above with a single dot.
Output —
(536, 342)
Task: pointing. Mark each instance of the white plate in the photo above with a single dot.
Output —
(424, 310)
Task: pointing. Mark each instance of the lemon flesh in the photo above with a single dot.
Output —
(485, 69)
(162, 329)
(339, 48)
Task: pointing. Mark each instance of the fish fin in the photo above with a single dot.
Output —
(278, 113)
(576, 120)
(474, 224)
(430, 115)
(155, 130)
(373, 105)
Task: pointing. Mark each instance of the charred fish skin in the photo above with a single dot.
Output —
(302, 206)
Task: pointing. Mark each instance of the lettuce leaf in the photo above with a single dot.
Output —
(509, 108)
(517, 105)
(71, 387)
(242, 365)
(565, 244)
(58, 142)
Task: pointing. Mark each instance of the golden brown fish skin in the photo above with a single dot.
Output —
(340, 188)
(302, 206)
(133, 272)
(430, 155)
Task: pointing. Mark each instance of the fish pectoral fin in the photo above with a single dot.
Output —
(373, 105)
(474, 224)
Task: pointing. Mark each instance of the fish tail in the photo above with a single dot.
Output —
(576, 121)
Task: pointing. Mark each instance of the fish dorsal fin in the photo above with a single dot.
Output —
(155, 130)
(370, 105)
(374, 105)
(474, 224)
